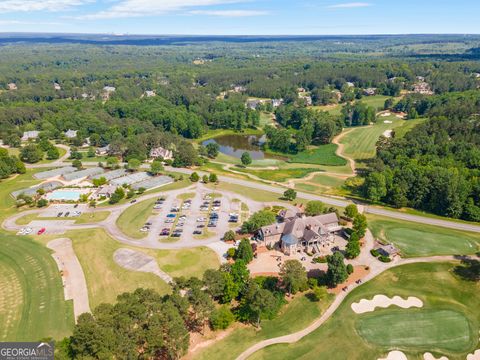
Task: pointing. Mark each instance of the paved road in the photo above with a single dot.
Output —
(376, 268)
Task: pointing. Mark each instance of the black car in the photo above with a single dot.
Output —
(59, 214)
(67, 213)
(197, 232)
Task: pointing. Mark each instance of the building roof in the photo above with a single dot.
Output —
(289, 239)
(71, 133)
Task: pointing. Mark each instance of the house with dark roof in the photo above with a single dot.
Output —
(300, 232)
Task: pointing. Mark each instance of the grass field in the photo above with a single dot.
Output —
(134, 217)
(425, 240)
(360, 142)
(445, 330)
(295, 316)
(32, 304)
(279, 175)
(106, 280)
(443, 295)
(320, 183)
(321, 155)
(85, 218)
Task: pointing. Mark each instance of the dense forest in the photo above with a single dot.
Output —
(135, 98)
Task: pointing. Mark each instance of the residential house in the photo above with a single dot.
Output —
(388, 250)
(350, 84)
(12, 86)
(300, 232)
(422, 88)
(57, 86)
(253, 103)
(160, 152)
(103, 150)
(70, 134)
(277, 102)
(369, 91)
(239, 89)
(103, 191)
(307, 99)
(27, 135)
(107, 91)
(150, 93)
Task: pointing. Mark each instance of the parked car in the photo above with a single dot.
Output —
(67, 213)
(172, 216)
(41, 231)
(133, 201)
(169, 221)
(197, 232)
(60, 214)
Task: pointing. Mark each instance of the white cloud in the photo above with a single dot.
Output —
(132, 8)
(350, 5)
(229, 13)
(38, 5)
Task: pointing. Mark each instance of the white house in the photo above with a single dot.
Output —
(160, 152)
(57, 86)
(277, 102)
(103, 150)
(109, 89)
(150, 93)
(27, 135)
(70, 134)
(12, 86)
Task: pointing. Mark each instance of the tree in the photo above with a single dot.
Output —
(117, 195)
(337, 271)
(53, 153)
(293, 276)
(205, 179)
(31, 154)
(221, 318)
(360, 225)
(202, 305)
(257, 220)
(156, 167)
(246, 159)
(91, 152)
(240, 272)
(212, 150)
(319, 293)
(77, 164)
(214, 282)
(213, 178)
(244, 251)
(42, 203)
(314, 208)
(257, 304)
(133, 164)
(351, 211)
(375, 187)
(229, 236)
(290, 195)
(352, 250)
(112, 162)
(194, 177)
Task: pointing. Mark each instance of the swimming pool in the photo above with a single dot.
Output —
(65, 195)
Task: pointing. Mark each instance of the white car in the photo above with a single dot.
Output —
(28, 231)
(201, 219)
(169, 221)
(158, 206)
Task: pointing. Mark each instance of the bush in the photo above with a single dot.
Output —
(229, 236)
(221, 318)
(319, 293)
(42, 203)
(312, 283)
(320, 260)
(350, 269)
(384, 259)
(231, 253)
(375, 253)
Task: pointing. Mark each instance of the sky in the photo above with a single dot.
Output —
(241, 17)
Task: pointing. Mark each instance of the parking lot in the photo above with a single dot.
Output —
(63, 210)
(199, 216)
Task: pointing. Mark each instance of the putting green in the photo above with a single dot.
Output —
(416, 329)
(425, 240)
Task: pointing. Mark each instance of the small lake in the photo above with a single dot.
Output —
(236, 145)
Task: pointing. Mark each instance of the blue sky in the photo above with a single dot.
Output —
(242, 17)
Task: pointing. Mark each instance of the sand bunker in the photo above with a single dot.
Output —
(364, 305)
(429, 356)
(395, 355)
(139, 261)
(387, 133)
(474, 356)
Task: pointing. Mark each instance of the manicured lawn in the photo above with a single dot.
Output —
(443, 294)
(134, 217)
(86, 218)
(295, 316)
(279, 175)
(423, 240)
(106, 280)
(321, 155)
(360, 142)
(186, 196)
(32, 302)
(445, 330)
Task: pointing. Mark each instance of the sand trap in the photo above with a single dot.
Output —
(385, 114)
(429, 356)
(139, 261)
(383, 301)
(395, 355)
(387, 133)
(474, 356)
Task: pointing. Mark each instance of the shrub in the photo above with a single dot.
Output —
(319, 293)
(320, 260)
(231, 253)
(384, 259)
(350, 269)
(221, 318)
(229, 236)
(42, 203)
(375, 252)
(312, 283)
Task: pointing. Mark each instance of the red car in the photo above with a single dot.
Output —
(41, 231)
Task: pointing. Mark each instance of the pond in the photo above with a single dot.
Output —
(236, 145)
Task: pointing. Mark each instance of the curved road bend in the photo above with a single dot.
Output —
(296, 336)
(327, 200)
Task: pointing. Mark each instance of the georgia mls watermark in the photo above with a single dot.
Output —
(26, 351)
